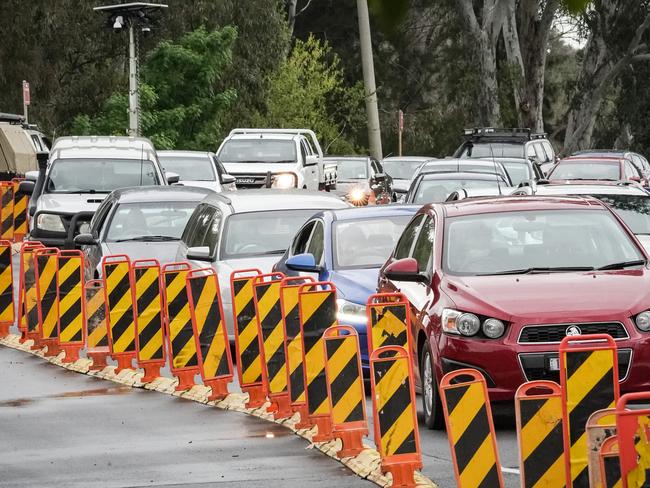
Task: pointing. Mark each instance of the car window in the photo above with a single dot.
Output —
(530, 151)
(317, 242)
(37, 143)
(630, 170)
(100, 216)
(310, 150)
(211, 237)
(548, 149)
(303, 152)
(539, 151)
(403, 248)
(424, 246)
(299, 245)
(198, 225)
(154, 221)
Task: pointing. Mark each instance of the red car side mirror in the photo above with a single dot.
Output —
(405, 270)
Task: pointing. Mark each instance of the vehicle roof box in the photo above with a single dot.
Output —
(17, 153)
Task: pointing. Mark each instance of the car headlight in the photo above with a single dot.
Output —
(642, 321)
(469, 324)
(284, 180)
(493, 328)
(50, 222)
(358, 197)
(348, 311)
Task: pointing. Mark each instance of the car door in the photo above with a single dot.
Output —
(98, 228)
(311, 173)
(195, 229)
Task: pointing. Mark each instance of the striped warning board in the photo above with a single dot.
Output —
(470, 430)
(6, 210)
(27, 310)
(210, 332)
(184, 363)
(71, 303)
(600, 426)
(95, 328)
(609, 464)
(20, 212)
(589, 379)
(7, 315)
(389, 321)
(118, 286)
(633, 433)
(395, 418)
(538, 409)
(148, 312)
(46, 271)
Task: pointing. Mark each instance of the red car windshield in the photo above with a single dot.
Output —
(529, 241)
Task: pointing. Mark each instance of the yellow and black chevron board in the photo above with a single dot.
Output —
(95, 328)
(470, 430)
(589, 380)
(317, 311)
(266, 294)
(293, 346)
(345, 389)
(248, 343)
(71, 303)
(7, 314)
(20, 212)
(610, 465)
(389, 321)
(27, 311)
(149, 322)
(6, 210)
(395, 418)
(600, 426)
(118, 290)
(46, 263)
(633, 433)
(181, 343)
(538, 413)
(210, 332)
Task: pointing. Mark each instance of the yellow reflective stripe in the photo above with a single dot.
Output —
(202, 306)
(391, 382)
(478, 467)
(588, 374)
(539, 426)
(398, 432)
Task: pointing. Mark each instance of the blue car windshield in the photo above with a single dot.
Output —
(366, 243)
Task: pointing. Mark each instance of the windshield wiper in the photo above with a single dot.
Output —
(149, 239)
(623, 264)
(538, 270)
(89, 190)
(277, 251)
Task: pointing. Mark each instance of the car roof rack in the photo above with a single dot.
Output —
(11, 118)
(502, 133)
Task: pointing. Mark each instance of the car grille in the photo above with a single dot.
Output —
(249, 180)
(553, 334)
(534, 366)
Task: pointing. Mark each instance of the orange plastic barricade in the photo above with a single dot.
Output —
(470, 430)
(20, 212)
(96, 328)
(210, 332)
(71, 303)
(6, 210)
(317, 311)
(589, 380)
(46, 262)
(345, 388)
(600, 426)
(118, 290)
(7, 315)
(248, 345)
(538, 412)
(633, 432)
(395, 416)
(389, 321)
(293, 346)
(610, 467)
(266, 294)
(27, 311)
(147, 300)
(184, 363)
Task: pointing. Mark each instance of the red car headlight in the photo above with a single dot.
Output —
(469, 324)
(642, 321)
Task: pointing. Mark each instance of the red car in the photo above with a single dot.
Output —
(496, 284)
(576, 168)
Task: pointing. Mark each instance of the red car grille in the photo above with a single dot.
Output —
(550, 334)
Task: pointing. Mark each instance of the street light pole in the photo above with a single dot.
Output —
(134, 104)
(372, 112)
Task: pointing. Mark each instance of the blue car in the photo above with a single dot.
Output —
(347, 247)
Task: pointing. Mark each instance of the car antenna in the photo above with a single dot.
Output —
(494, 161)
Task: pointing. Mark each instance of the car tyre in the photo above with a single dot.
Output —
(431, 404)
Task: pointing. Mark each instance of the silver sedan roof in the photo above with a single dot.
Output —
(271, 199)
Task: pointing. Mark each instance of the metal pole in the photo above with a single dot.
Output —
(400, 128)
(134, 116)
(25, 113)
(374, 132)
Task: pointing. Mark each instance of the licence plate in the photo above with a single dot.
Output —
(554, 364)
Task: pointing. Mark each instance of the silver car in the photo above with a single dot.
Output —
(247, 229)
(197, 168)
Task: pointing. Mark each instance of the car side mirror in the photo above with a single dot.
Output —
(311, 160)
(85, 240)
(227, 179)
(405, 270)
(172, 177)
(26, 187)
(31, 176)
(199, 253)
(303, 262)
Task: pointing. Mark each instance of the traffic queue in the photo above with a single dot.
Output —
(501, 274)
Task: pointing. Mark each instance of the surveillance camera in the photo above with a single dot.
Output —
(119, 23)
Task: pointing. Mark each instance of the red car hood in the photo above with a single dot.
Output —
(596, 295)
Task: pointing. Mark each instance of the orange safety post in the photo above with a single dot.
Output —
(71, 303)
(6, 210)
(248, 344)
(46, 262)
(293, 346)
(345, 389)
(209, 326)
(20, 217)
(95, 326)
(149, 328)
(181, 343)
(633, 432)
(27, 312)
(7, 309)
(389, 321)
(395, 417)
(600, 426)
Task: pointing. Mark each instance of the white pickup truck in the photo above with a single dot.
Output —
(276, 158)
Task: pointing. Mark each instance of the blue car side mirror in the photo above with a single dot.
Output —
(303, 262)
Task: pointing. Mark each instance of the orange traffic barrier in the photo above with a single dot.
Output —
(633, 433)
(395, 417)
(27, 311)
(389, 321)
(184, 363)
(20, 215)
(610, 466)
(71, 303)
(600, 426)
(470, 430)
(149, 328)
(95, 326)
(6, 210)
(7, 314)
(46, 262)
(209, 326)
(248, 345)
(345, 388)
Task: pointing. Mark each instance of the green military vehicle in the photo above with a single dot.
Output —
(19, 144)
